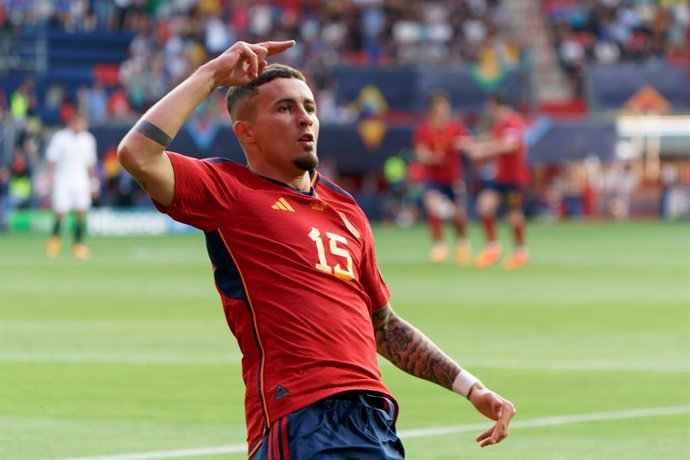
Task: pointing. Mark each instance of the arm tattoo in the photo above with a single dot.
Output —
(410, 350)
(153, 132)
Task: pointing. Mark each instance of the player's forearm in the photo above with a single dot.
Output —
(168, 115)
(410, 350)
(426, 156)
(493, 148)
(171, 112)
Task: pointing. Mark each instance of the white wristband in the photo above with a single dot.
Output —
(464, 382)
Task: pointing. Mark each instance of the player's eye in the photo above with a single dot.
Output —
(284, 108)
(310, 108)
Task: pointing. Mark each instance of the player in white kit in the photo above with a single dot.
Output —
(72, 156)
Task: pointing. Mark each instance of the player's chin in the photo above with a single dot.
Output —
(307, 161)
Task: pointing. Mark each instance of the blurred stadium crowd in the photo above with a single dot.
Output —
(126, 54)
(610, 32)
(172, 38)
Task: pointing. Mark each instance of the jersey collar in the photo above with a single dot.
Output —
(313, 180)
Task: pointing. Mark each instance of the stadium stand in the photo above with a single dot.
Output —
(614, 32)
(371, 62)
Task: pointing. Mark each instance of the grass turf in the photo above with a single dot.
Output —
(129, 352)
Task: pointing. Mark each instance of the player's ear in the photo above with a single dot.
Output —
(244, 131)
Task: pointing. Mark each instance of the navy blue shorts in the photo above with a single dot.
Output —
(510, 193)
(452, 192)
(355, 425)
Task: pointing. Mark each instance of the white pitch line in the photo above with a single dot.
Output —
(419, 432)
(172, 359)
(184, 453)
(550, 421)
(113, 358)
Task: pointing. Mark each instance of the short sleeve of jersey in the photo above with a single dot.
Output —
(371, 277)
(461, 130)
(511, 131)
(420, 136)
(53, 149)
(201, 193)
(92, 154)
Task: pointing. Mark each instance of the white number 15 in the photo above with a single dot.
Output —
(322, 264)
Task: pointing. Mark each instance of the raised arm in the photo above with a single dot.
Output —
(426, 156)
(488, 148)
(410, 350)
(142, 151)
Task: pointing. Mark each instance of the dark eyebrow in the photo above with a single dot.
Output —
(291, 100)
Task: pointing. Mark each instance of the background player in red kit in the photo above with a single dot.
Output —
(507, 146)
(435, 143)
(295, 267)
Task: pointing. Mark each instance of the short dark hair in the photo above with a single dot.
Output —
(238, 94)
(435, 96)
(499, 98)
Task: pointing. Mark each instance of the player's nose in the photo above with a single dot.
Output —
(305, 118)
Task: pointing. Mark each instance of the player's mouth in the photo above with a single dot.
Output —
(307, 140)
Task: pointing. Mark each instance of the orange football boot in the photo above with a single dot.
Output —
(488, 256)
(439, 253)
(516, 260)
(463, 254)
(81, 252)
(53, 247)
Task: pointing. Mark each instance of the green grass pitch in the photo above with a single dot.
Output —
(129, 352)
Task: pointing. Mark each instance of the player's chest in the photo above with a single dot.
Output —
(75, 151)
(334, 234)
(442, 138)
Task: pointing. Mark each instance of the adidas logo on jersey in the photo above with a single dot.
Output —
(318, 206)
(283, 205)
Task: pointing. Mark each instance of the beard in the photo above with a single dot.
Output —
(307, 162)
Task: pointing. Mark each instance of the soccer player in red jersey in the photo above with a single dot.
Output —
(507, 148)
(294, 264)
(435, 143)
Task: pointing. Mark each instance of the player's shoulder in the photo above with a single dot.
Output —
(516, 120)
(213, 166)
(227, 167)
(222, 163)
(334, 189)
(60, 134)
(423, 127)
(218, 163)
(90, 138)
(62, 139)
(458, 126)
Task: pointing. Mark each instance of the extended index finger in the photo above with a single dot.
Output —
(277, 47)
(503, 422)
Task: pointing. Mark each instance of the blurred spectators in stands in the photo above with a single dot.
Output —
(7, 131)
(399, 205)
(23, 101)
(615, 183)
(118, 105)
(170, 38)
(4, 200)
(570, 188)
(173, 37)
(612, 31)
(669, 178)
(96, 98)
(67, 108)
(20, 190)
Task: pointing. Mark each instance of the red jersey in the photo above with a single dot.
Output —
(441, 141)
(511, 167)
(298, 280)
